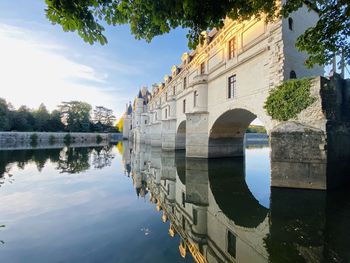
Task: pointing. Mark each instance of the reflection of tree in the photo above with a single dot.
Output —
(77, 160)
(74, 160)
(102, 156)
(22, 157)
(68, 160)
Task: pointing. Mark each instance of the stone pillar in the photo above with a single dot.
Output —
(313, 151)
(298, 157)
(197, 134)
(156, 136)
(168, 134)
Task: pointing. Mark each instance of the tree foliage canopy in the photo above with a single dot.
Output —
(150, 18)
(72, 116)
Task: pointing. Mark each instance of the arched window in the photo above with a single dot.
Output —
(291, 24)
(292, 75)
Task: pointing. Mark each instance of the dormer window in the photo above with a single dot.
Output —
(231, 48)
(291, 24)
(184, 58)
(174, 71)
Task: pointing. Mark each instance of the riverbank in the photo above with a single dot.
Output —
(10, 140)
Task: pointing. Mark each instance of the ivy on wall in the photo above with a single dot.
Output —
(289, 99)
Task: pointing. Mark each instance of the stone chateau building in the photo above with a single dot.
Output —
(235, 68)
(206, 103)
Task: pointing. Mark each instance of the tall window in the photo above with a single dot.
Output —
(184, 106)
(195, 95)
(231, 86)
(166, 113)
(291, 24)
(195, 216)
(166, 96)
(174, 90)
(231, 48)
(185, 83)
(231, 244)
(183, 199)
(202, 68)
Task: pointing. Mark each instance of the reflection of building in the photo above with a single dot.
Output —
(183, 191)
(208, 204)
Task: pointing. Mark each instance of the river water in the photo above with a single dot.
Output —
(120, 204)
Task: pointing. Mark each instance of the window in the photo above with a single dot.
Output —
(166, 96)
(166, 113)
(195, 94)
(183, 199)
(185, 83)
(231, 48)
(231, 244)
(195, 216)
(291, 24)
(184, 106)
(156, 116)
(292, 75)
(174, 90)
(231, 86)
(202, 68)
(145, 121)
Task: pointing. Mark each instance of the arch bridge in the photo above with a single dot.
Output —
(207, 102)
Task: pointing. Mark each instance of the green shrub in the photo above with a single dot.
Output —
(99, 139)
(67, 139)
(34, 140)
(289, 99)
(52, 140)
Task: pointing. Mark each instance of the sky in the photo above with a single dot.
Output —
(41, 63)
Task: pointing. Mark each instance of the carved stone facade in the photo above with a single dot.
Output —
(208, 101)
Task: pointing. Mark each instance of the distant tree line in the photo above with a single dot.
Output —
(256, 129)
(72, 116)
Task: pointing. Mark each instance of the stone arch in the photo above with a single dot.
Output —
(180, 140)
(226, 134)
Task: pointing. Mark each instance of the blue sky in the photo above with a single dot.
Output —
(41, 63)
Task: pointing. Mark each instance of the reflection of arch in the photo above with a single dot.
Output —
(180, 141)
(226, 137)
(231, 193)
(180, 162)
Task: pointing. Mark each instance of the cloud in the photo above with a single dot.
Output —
(33, 69)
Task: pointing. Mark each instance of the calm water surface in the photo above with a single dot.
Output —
(118, 204)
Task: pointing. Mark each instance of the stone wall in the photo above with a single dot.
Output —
(313, 150)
